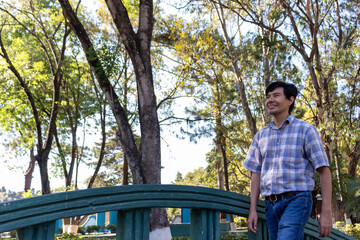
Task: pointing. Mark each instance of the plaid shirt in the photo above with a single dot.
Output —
(286, 156)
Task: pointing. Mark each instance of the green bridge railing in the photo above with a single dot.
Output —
(34, 218)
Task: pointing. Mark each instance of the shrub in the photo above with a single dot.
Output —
(223, 237)
(111, 227)
(349, 229)
(234, 237)
(67, 236)
(93, 228)
(81, 230)
(240, 222)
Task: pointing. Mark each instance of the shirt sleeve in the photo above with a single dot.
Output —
(253, 160)
(314, 148)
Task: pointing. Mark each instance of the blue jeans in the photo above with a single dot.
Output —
(286, 218)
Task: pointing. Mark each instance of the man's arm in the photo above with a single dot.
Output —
(254, 197)
(325, 221)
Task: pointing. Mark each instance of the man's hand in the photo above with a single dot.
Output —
(252, 221)
(325, 224)
(254, 197)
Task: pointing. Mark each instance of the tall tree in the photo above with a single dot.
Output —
(52, 42)
(234, 59)
(206, 79)
(145, 160)
(78, 105)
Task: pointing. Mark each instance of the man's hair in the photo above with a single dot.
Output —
(289, 90)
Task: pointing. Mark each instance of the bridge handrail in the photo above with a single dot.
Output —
(23, 213)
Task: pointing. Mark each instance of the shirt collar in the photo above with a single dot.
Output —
(288, 121)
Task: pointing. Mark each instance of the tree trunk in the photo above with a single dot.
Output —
(45, 183)
(219, 156)
(125, 135)
(125, 172)
(355, 155)
(29, 171)
(239, 80)
(146, 163)
(74, 152)
(268, 68)
(102, 149)
(138, 47)
(71, 225)
(219, 165)
(43, 153)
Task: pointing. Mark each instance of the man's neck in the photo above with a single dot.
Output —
(278, 120)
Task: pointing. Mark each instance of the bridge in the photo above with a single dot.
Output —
(34, 218)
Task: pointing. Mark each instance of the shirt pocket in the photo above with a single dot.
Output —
(267, 148)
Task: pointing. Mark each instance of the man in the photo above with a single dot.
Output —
(282, 159)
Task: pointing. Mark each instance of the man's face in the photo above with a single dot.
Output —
(277, 103)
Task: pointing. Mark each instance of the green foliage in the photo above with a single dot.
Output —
(202, 51)
(33, 38)
(353, 200)
(64, 189)
(29, 193)
(352, 230)
(71, 236)
(81, 230)
(172, 212)
(195, 178)
(234, 237)
(67, 236)
(222, 237)
(207, 69)
(94, 228)
(112, 167)
(111, 227)
(199, 62)
(240, 222)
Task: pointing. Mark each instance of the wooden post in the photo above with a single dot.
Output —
(44, 231)
(205, 224)
(133, 224)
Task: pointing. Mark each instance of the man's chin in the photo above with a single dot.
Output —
(271, 111)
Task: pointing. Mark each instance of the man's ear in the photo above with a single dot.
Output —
(292, 99)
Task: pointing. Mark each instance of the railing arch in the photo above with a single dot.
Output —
(34, 218)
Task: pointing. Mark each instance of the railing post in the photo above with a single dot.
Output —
(205, 224)
(44, 231)
(133, 224)
(262, 233)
